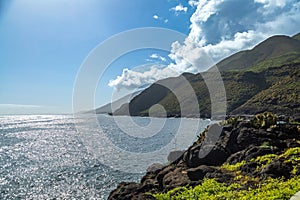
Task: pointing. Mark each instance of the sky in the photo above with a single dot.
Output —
(43, 44)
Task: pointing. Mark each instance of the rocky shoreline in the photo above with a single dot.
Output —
(258, 148)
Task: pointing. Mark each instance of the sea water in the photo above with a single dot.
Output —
(46, 157)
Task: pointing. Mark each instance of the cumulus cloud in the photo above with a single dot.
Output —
(132, 79)
(205, 9)
(221, 32)
(189, 57)
(179, 8)
(218, 29)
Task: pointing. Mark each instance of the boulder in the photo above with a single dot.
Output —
(174, 155)
(198, 173)
(249, 153)
(155, 167)
(212, 155)
(174, 179)
(277, 169)
(124, 191)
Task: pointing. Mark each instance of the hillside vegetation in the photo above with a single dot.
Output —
(265, 78)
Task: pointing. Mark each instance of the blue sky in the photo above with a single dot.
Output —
(44, 43)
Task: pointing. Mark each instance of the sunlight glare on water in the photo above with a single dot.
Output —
(42, 157)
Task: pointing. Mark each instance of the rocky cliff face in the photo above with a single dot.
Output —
(255, 148)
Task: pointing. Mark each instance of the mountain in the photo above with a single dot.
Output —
(297, 36)
(272, 47)
(113, 106)
(283, 96)
(265, 78)
(240, 86)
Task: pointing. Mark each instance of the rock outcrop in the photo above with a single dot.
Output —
(239, 140)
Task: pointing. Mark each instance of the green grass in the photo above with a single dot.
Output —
(211, 189)
(270, 188)
(234, 167)
(289, 58)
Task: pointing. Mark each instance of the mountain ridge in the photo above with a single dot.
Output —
(269, 48)
(277, 58)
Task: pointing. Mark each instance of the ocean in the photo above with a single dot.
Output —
(84, 157)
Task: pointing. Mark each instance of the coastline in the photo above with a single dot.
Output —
(241, 142)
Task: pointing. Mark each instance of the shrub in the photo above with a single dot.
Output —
(264, 120)
(232, 120)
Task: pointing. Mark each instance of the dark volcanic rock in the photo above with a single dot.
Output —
(198, 173)
(125, 191)
(220, 176)
(175, 179)
(208, 155)
(212, 150)
(155, 167)
(249, 167)
(247, 137)
(232, 144)
(174, 155)
(248, 154)
(277, 168)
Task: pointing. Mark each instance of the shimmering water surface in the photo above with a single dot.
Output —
(44, 156)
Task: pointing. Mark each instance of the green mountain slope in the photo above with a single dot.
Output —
(269, 81)
(240, 86)
(272, 47)
(287, 58)
(282, 97)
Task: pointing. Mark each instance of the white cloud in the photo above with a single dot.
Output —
(156, 56)
(232, 30)
(205, 9)
(131, 79)
(179, 8)
(240, 41)
(272, 3)
(156, 17)
(285, 22)
(189, 57)
(270, 6)
(193, 3)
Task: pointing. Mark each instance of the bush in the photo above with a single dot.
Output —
(232, 120)
(264, 120)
